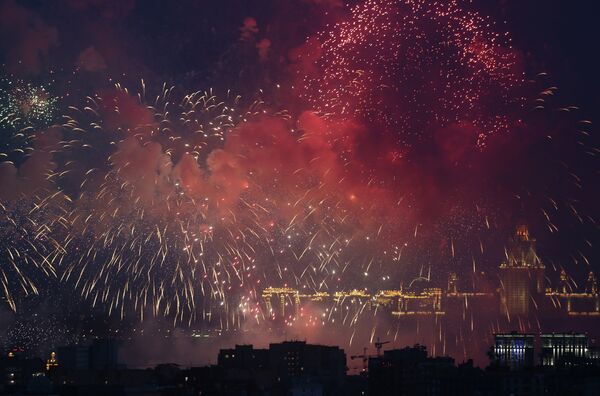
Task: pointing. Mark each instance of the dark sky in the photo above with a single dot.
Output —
(169, 39)
(562, 36)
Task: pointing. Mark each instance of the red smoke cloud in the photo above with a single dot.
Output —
(123, 112)
(91, 60)
(249, 29)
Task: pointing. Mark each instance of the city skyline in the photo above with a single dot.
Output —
(518, 364)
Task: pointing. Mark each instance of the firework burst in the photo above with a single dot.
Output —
(24, 109)
(190, 205)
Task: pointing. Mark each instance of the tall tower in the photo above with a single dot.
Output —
(521, 274)
(564, 282)
(452, 280)
(591, 286)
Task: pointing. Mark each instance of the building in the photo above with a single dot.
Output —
(281, 302)
(514, 350)
(591, 285)
(522, 290)
(291, 367)
(16, 370)
(565, 369)
(243, 356)
(74, 357)
(325, 365)
(564, 349)
(410, 371)
(104, 354)
(594, 356)
(101, 354)
(51, 362)
(521, 274)
(452, 283)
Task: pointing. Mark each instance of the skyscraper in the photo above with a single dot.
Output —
(521, 274)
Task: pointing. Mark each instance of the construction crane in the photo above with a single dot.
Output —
(365, 359)
(379, 344)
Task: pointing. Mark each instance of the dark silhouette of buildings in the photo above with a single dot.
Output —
(17, 371)
(293, 365)
(325, 365)
(410, 371)
(100, 354)
(243, 357)
(74, 357)
(104, 354)
(298, 368)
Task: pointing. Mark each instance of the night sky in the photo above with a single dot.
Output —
(164, 162)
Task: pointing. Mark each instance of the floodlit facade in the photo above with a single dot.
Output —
(514, 350)
(564, 349)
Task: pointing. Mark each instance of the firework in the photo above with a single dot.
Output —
(167, 216)
(26, 104)
(29, 251)
(415, 66)
(25, 108)
(190, 206)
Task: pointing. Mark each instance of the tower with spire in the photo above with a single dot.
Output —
(521, 274)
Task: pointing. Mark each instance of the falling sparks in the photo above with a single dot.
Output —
(440, 63)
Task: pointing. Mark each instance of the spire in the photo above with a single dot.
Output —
(452, 279)
(564, 282)
(523, 232)
(591, 286)
(521, 251)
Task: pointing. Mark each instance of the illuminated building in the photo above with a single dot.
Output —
(564, 349)
(360, 294)
(586, 303)
(359, 298)
(284, 296)
(564, 282)
(51, 362)
(16, 370)
(514, 350)
(594, 356)
(452, 280)
(521, 275)
(521, 288)
(591, 286)
(428, 301)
